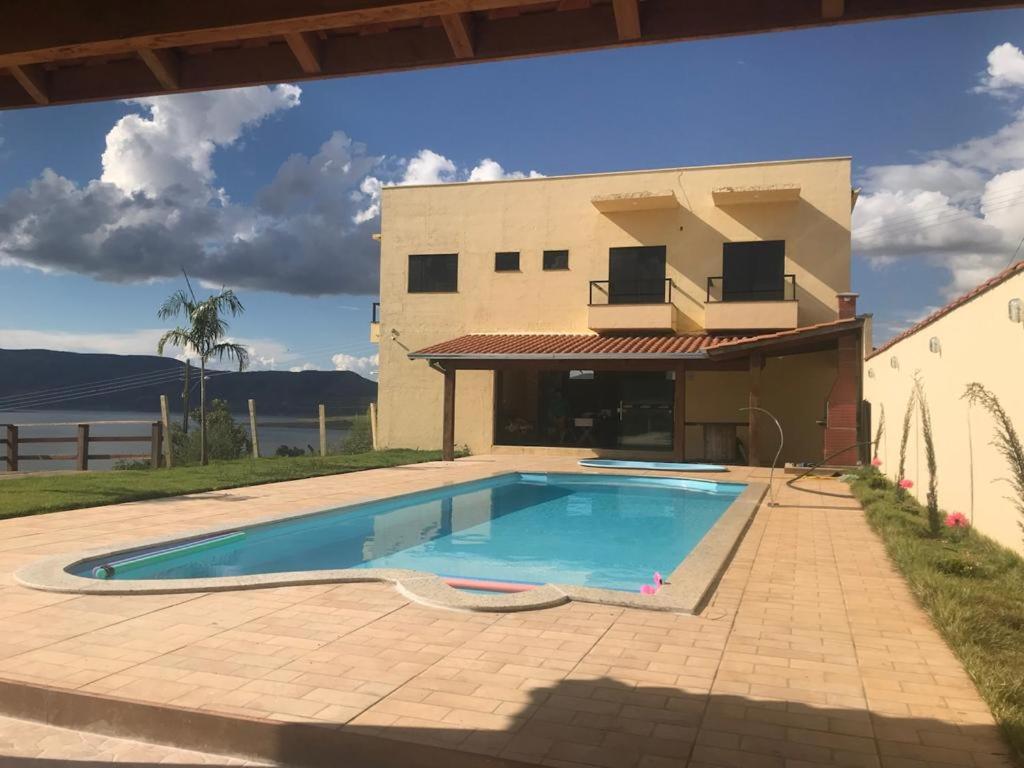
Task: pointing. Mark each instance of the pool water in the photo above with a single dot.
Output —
(609, 531)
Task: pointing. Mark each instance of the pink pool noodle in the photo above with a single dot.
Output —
(489, 586)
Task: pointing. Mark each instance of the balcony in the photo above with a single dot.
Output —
(770, 309)
(375, 323)
(640, 305)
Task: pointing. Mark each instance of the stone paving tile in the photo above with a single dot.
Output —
(24, 744)
(811, 652)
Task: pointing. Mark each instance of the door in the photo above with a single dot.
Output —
(636, 275)
(754, 271)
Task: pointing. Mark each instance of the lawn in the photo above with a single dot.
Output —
(971, 587)
(34, 495)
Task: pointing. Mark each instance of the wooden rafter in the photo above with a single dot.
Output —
(32, 78)
(306, 49)
(73, 31)
(164, 65)
(627, 19)
(833, 9)
(459, 28)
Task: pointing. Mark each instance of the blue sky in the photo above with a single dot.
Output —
(903, 98)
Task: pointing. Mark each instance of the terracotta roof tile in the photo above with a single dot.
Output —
(486, 345)
(974, 293)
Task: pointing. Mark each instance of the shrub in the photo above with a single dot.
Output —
(1006, 442)
(288, 450)
(901, 492)
(359, 438)
(934, 518)
(224, 437)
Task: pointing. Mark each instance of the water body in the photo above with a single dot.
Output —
(273, 431)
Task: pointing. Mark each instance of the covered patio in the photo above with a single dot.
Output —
(683, 397)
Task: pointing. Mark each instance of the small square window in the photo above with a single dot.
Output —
(556, 259)
(506, 261)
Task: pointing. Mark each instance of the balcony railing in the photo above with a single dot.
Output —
(651, 291)
(768, 294)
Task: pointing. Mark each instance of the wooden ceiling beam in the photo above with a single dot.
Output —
(164, 65)
(627, 19)
(74, 29)
(306, 49)
(32, 78)
(459, 28)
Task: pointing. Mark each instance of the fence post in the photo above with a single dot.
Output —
(373, 425)
(82, 457)
(12, 448)
(165, 420)
(323, 430)
(155, 442)
(252, 429)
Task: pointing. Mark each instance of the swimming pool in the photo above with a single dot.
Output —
(589, 530)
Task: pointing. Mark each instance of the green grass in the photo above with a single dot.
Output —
(35, 495)
(972, 588)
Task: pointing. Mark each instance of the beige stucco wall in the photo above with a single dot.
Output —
(978, 343)
(529, 216)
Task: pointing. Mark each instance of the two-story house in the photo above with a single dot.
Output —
(643, 313)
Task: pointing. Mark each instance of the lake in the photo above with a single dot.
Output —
(273, 431)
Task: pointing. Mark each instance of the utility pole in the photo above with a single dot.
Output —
(184, 398)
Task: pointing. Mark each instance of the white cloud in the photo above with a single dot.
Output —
(961, 208)
(173, 141)
(491, 170)
(428, 167)
(304, 367)
(157, 209)
(364, 366)
(1005, 70)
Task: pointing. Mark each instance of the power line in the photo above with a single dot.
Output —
(95, 383)
(911, 227)
(915, 215)
(28, 403)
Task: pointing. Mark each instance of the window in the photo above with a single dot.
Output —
(434, 273)
(506, 261)
(636, 275)
(754, 271)
(556, 259)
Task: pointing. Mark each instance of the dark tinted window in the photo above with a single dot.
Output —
(636, 275)
(754, 271)
(556, 259)
(434, 273)
(506, 261)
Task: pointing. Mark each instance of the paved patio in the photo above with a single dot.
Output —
(811, 652)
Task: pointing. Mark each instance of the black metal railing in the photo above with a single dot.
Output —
(788, 286)
(375, 312)
(650, 291)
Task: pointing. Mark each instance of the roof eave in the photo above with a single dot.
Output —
(569, 356)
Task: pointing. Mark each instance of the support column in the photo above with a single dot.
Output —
(448, 431)
(679, 414)
(844, 403)
(753, 417)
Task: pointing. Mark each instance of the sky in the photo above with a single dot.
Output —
(274, 191)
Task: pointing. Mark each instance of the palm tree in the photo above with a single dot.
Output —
(205, 335)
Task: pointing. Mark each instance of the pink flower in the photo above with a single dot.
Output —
(906, 483)
(876, 462)
(957, 520)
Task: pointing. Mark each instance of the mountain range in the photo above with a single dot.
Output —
(42, 379)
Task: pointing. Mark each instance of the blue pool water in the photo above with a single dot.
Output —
(608, 531)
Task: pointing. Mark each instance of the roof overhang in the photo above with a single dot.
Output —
(627, 202)
(481, 350)
(66, 51)
(768, 193)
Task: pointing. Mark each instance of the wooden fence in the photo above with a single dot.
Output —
(83, 442)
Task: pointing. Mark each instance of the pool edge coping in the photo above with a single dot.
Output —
(685, 591)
